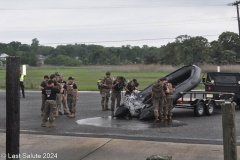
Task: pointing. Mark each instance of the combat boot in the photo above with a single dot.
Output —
(52, 125)
(71, 115)
(156, 119)
(170, 117)
(165, 118)
(43, 124)
(103, 109)
(42, 114)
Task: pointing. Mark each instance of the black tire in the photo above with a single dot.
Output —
(209, 109)
(199, 109)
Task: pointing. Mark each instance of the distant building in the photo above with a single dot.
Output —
(41, 59)
(3, 56)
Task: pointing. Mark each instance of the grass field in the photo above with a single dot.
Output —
(86, 76)
(86, 79)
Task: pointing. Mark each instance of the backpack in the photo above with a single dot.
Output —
(99, 83)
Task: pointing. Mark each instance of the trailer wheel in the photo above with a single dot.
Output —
(199, 109)
(209, 109)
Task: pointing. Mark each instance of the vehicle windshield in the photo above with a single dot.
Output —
(223, 78)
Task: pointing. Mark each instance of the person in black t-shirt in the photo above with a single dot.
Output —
(132, 87)
(50, 105)
(117, 87)
(42, 86)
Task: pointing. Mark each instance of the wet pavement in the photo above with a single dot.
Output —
(128, 123)
(90, 121)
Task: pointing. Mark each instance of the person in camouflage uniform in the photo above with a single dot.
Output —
(117, 87)
(42, 86)
(57, 86)
(72, 96)
(164, 105)
(59, 95)
(63, 83)
(50, 104)
(158, 98)
(106, 85)
(169, 101)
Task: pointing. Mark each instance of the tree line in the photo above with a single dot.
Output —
(183, 51)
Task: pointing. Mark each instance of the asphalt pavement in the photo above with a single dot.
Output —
(128, 136)
(34, 146)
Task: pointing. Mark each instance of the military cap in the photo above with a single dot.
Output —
(108, 73)
(57, 74)
(46, 76)
(70, 78)
(52, 76)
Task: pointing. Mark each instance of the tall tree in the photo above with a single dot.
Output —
(15, 45)
(34, 45)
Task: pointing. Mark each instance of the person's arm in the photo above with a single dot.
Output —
(76, 90)
(103, 82)
(167, 90)
(115, 83)
(61, 88)
(24, 79)
(126, 89)
(43, 93)
(41, 88)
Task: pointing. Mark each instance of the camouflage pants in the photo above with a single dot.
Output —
(59, 101)
(71, 101)
(169, 105)
(115, 95)
(158, 107)
(43, 103)
(50, 107)
(105, 94)
(64, 104)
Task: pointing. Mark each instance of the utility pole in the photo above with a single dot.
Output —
(236, 4)
(12, 108)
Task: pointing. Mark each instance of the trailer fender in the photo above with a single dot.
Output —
(208, 101)
(196, 101)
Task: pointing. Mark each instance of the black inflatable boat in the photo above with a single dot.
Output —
(183, 80)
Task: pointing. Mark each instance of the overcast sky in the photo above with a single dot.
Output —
(114, 22)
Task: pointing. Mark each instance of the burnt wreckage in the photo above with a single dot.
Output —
(140, 105)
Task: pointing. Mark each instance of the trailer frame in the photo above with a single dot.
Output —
(202, 104)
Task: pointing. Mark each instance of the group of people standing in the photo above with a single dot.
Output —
(56, 92)
(162, 98)
(107, 84)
